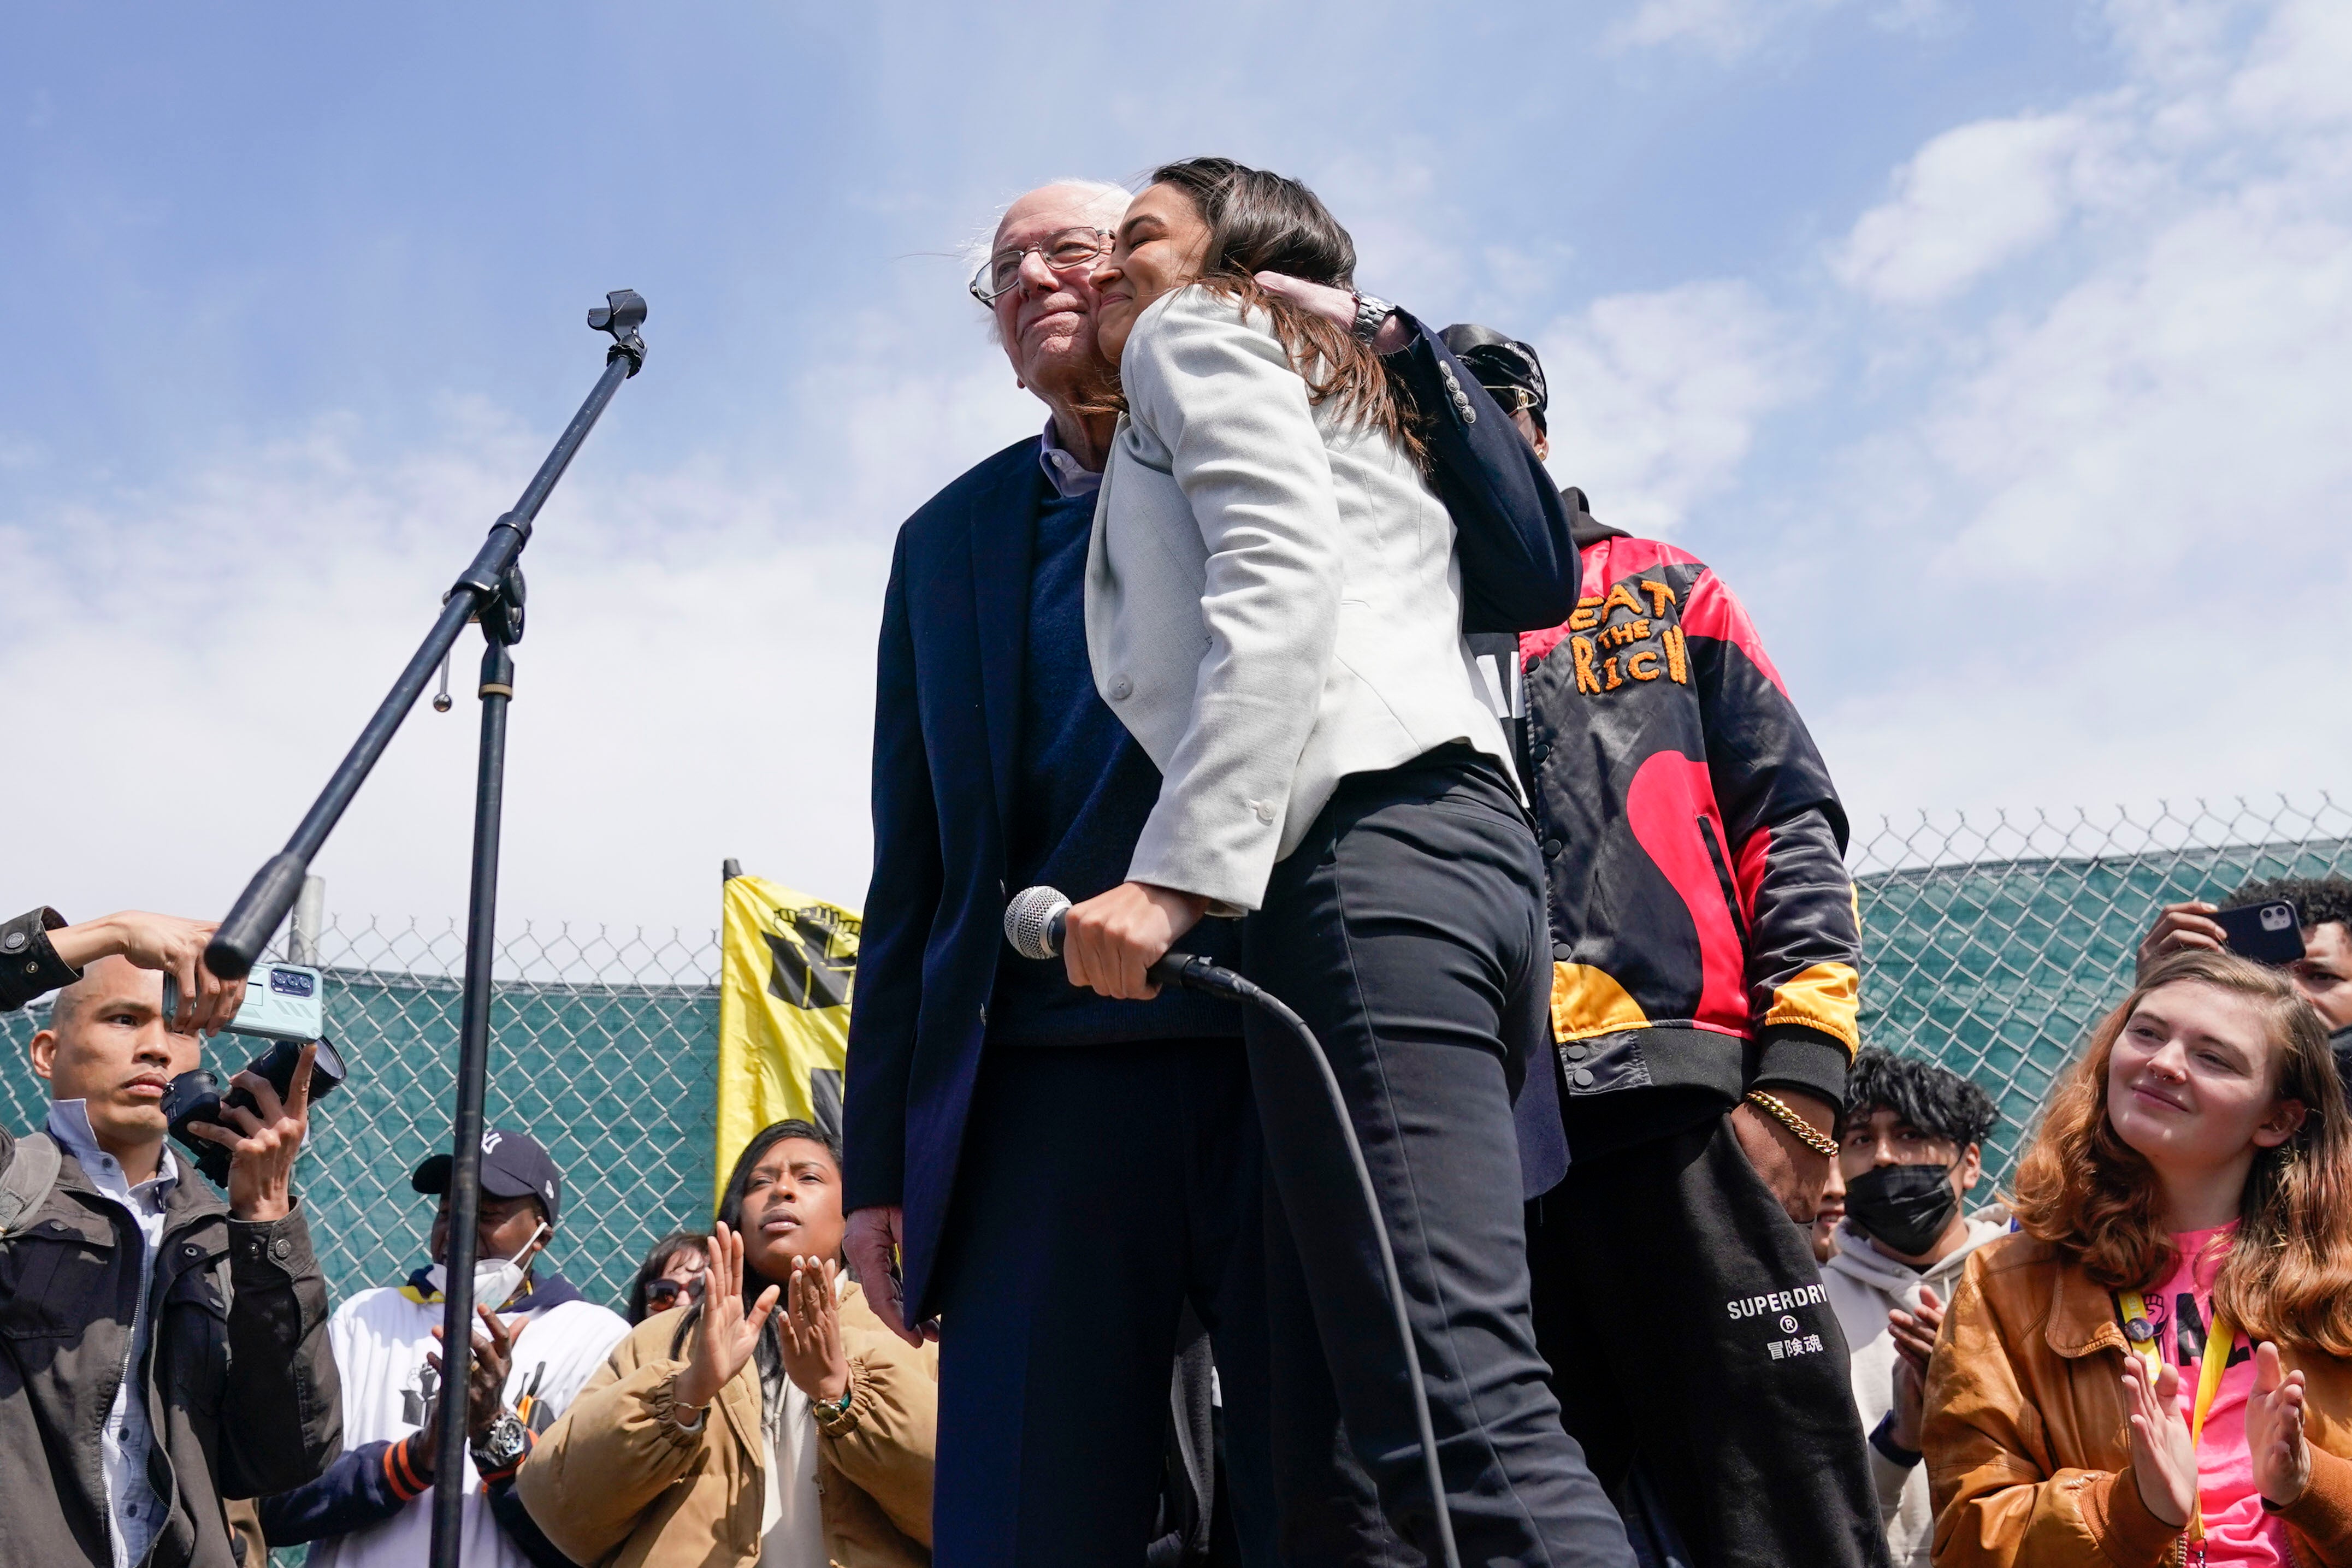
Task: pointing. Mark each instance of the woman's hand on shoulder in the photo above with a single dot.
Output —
(1334, 305)
(2274, 1430)
(726, 1333)
(1109, 941)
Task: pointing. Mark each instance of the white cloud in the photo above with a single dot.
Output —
(2300, 69)
(1655, 397)
(1721, 27)
(187, 662)
(1972, 199)
(2091, 564)
(1728, 30)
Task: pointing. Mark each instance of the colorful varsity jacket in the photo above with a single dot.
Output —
(1704, 938)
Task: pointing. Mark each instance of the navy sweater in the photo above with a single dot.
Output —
(1085, 789)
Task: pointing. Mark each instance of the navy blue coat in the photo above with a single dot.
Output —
(947, 714)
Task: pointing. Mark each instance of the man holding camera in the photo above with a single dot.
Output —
(539, 1343)
(159, 1349)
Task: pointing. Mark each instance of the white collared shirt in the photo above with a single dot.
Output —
(134, 1510)
(792, 1520)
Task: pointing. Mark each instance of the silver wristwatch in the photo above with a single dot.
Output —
(1371, 311)
(502, 1445)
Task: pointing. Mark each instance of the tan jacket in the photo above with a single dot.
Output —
(2029, 1454)
(615, 1482)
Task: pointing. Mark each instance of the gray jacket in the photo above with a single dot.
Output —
(241, 1388)
(1272, 599)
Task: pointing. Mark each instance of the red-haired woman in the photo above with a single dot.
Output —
(2156, 1370)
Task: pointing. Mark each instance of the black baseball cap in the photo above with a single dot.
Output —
(1504, 366)
(514, 1165)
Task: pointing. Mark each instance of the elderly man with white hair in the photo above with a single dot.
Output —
(1061, 1174)
(1060, 1178)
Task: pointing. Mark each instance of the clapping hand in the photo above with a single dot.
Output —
(1914, 1334)
(814, 1357)
(262, 1146)
(486, 1374)
(2164, 1457)
(726, 1333)
(2274, 1430)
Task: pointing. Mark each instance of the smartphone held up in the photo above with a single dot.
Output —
(285, 1004)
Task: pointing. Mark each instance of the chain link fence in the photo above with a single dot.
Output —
(1992, 942)
(602, 1046)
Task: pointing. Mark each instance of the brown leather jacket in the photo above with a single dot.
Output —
(2029, 1454)
(617, 1483)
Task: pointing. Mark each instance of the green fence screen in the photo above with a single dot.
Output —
(1992, 943)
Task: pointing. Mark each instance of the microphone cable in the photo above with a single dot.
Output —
(1033, 927)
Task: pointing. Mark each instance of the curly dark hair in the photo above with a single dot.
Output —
(2317, 900)
(1935, 1099)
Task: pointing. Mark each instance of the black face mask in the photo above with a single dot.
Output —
(1906, 1206)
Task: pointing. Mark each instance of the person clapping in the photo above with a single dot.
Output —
(2159, 1363)
(776, 1422)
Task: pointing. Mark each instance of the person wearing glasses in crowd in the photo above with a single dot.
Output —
(671, 1275)
(2157, 1368)
(1053, 1173)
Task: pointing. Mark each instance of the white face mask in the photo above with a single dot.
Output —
(496, 1279)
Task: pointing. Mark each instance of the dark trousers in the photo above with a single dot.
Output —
(1100, 1188)
(1684, 1319)
(1406, 929)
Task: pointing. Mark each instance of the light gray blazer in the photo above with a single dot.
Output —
(1272, 599)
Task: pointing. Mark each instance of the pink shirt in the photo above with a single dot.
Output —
(2237, 1531)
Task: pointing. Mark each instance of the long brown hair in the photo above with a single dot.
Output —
(2288, 1276)
(1263, 222)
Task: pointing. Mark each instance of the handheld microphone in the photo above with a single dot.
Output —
(1034, 922)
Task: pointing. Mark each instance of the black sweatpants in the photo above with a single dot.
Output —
(1406, 929)
(1687, 1328)
(1101, 1187)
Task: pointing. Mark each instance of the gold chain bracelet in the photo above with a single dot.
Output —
(1807, 1133)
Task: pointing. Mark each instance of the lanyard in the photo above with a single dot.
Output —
(2141, 1333)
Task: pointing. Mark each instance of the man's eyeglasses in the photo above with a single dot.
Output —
(1063, 252)
(663, 1294)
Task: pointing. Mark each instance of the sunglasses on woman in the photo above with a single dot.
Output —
(663, 1294)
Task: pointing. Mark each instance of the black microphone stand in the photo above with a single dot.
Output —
(490, 591)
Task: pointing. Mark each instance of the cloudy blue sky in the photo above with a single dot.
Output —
(1996, 353)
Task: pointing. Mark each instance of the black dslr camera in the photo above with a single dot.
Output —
(196, 1096)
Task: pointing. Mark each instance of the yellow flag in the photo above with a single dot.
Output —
(786, 965)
